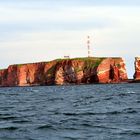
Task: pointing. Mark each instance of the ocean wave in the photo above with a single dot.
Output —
(10, 128)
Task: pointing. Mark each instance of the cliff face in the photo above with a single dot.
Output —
(137, 68)
(30, 74)
(111, 70)
(60, 72)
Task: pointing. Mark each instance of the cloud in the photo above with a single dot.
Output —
(41, 3)
(15, 20)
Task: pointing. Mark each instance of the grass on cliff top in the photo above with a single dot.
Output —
(19, 65)
(91, 61)
(78, 58)
(87, 58)
(82, 59)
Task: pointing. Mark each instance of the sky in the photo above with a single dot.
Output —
(43, 30)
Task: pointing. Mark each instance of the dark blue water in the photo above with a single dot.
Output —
(85, 112)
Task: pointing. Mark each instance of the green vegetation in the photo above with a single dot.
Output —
(90, 64)
(19, 65)
(88, 58)
(51, 70)
(77, 69)
(118, 65)
(82, 59)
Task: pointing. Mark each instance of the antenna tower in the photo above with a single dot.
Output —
(88, 46)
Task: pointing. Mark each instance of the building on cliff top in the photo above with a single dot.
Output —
(66, 57)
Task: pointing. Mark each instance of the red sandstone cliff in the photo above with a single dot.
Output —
(112, 70)
(137, 68)
(59, 72)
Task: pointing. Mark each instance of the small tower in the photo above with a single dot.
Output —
(88, 46)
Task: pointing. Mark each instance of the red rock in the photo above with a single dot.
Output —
(49, 72)
(105, 71)
(116, 75)
(3, 77)
(65, 73)
(12, 79)
(60, 72)
(31, 74)
(137, 68)
(111, 70)
(122, 69)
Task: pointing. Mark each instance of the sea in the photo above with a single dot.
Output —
(74, 112)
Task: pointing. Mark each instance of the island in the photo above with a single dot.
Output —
(86, 70)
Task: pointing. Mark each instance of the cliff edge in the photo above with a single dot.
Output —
(65, 71)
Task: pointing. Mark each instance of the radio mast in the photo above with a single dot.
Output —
(88, 46)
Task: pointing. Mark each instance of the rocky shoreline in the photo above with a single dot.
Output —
(69, 71)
